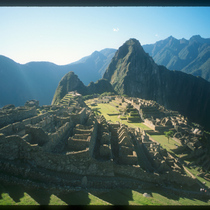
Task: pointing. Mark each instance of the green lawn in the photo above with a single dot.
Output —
(15, 195)
(164, 142)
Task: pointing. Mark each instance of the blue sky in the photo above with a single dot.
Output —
(65, 34)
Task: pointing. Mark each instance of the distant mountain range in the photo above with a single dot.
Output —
(134, 73)
(190, 56)
(39, 80)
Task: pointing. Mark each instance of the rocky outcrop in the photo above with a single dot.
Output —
(134, 73)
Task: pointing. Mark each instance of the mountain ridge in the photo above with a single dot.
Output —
(190, 56)
(134, 73)
(39, 80)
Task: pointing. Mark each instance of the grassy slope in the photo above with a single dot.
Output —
(17, 196)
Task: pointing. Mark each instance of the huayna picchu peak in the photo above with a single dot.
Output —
(134, 73)
(71, 82)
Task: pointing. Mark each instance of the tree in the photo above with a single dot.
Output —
(169, 134)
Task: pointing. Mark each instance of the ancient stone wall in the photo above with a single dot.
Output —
(56, 137)
(80, 117)
(77, 145)
(104, 139)
(93, 139)
(18, 126)
(128, 160)
(105, 150)
(137, 172)
(35, 119)
(14, 147)
(149, 123)
(45, 123)
(17, 115)
(62, 120)
(38, 135)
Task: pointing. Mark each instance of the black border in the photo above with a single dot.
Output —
(104, 3)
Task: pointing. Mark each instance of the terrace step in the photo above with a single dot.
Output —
(81, 131)
(81, 136)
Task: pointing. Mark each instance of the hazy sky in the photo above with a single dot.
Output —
(65, 34)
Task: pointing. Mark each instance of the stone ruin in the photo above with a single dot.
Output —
(191, 137)
(69, 148)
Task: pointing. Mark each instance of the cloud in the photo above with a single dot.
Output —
(116, 29)
(156, 34)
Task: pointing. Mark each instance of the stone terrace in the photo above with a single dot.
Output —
(76, 142)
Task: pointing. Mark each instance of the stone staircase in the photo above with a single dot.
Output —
(81, 138)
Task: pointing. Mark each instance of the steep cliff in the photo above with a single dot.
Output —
(134, 73)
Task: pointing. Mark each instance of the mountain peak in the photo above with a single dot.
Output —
(199, 39)
(132, 41)
(95, 53)
(129, 59)
(171, 37)
(196, 37)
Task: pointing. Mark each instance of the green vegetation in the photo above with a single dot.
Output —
(106, 94)
(14, 195)
(87, 97)
(163, 140)
(168, 134)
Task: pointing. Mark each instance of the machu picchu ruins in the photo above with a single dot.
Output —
(68, 146)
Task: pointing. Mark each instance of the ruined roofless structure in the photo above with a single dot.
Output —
(192, 138)
(65, 147)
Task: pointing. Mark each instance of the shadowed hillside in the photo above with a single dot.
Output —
(38, 80)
